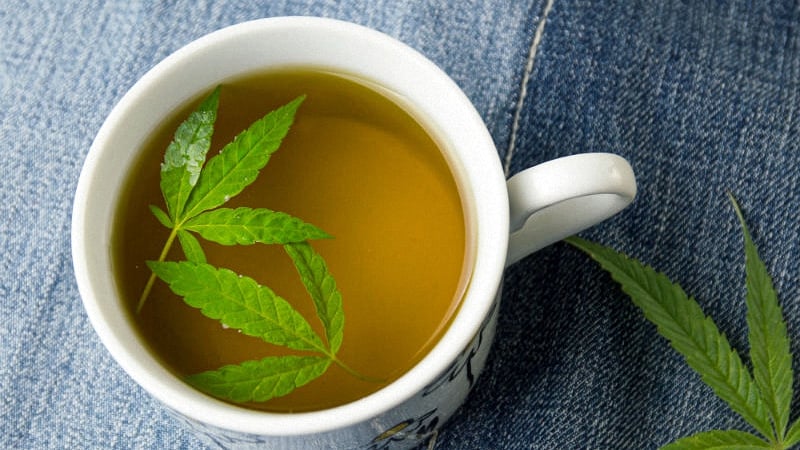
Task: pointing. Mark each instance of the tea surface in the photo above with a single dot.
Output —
(357, 166)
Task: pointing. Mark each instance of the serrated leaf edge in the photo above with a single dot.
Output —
(269, 375)
(718, 440)
(769, 343)
(321, 286)
(216, 226)
(165, 270)
(204, 198)
(729, 378)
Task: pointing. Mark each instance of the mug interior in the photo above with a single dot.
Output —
(383, 63)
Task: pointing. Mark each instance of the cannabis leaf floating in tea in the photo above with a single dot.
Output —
(194, 192)
(762, 398)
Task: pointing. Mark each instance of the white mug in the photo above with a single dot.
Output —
(506, 220)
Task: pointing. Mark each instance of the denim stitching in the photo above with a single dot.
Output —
(537, 39)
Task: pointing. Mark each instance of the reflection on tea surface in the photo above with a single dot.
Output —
(353, 164)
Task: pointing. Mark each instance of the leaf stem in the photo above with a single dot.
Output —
(354, 372)
(150, 281)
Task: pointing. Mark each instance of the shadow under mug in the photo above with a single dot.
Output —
(506, 220)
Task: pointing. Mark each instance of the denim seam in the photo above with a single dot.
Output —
(523, 91)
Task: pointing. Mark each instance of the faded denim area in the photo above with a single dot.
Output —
(700, 97)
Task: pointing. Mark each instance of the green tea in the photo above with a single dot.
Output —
(354, 164)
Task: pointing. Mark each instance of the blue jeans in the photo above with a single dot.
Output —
(700, 97)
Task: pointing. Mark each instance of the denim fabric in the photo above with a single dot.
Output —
(701, 97)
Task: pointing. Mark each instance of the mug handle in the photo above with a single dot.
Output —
(561, 197)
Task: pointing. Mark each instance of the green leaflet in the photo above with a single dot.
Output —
(239, 302)
(769, 344)
(162, 217)
(185, 179)
(245, 226)
(695, 336)
(260, 380)
(184, 158)
(191, 247)
(793, 435)
(193, 192)
(239, 162)
(763, 399)
(322, 288)
(719, 440)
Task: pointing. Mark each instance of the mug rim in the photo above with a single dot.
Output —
(474, 163)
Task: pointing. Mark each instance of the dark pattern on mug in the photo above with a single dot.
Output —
(464, 361)
(419, 429)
